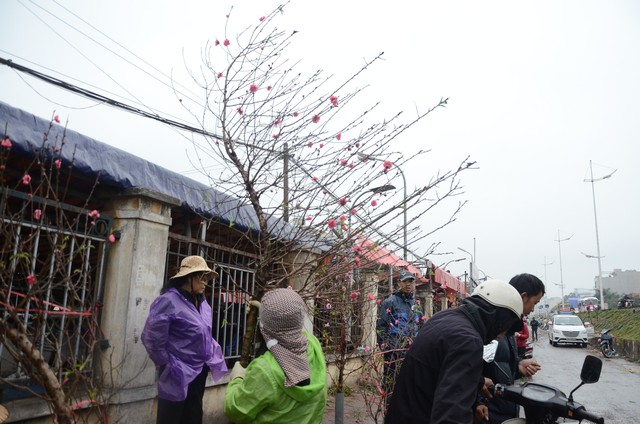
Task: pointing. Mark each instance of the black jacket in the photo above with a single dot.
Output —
(442, 372)
(504, 370)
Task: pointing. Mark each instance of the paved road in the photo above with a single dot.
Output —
(616, 397)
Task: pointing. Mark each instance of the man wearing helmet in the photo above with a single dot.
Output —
(442, 371)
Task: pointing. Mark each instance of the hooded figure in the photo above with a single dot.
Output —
(287, 383)
(442, 371)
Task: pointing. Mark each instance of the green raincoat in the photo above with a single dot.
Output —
(262, 398)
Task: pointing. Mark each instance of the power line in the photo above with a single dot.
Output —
(119, 105)
(103, 99)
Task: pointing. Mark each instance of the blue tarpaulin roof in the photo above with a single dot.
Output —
(124, 170)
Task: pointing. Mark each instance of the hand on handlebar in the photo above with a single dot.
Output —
(488, 384)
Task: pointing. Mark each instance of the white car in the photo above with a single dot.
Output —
(567, 329)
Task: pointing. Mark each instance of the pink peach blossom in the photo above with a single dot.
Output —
(374, 203)
(31, 279)
(253, 88)
(36, 214)
(6, 143)
(112, 238)
(226, 42)
(261, 18)
(310, 144)
(332, 224)
(26, 179)
(315, 119)
(338, 136)
(333, 100)
(342, 201)
(57, 163)
(57, 119)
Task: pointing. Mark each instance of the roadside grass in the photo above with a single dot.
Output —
(624, 323)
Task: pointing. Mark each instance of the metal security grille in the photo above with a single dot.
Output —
(51, 283)
(229, 292)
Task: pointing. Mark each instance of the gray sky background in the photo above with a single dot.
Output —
(537, 90)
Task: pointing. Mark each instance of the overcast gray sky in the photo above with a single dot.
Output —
(537, 89)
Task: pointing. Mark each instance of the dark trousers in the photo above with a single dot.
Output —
(189, 411)
(534, 333)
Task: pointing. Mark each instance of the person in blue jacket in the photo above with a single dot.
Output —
(398, 323)
(179, 341)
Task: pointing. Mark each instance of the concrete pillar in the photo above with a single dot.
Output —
(134, 277)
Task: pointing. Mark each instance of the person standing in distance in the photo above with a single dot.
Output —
(442, 372)
(179, 341)
(397, 324)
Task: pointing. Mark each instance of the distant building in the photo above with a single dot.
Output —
(621, 282)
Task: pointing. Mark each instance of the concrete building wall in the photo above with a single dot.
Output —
(622, 282)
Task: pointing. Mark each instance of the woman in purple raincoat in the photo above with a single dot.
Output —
(177, 336)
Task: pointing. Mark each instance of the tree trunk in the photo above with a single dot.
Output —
(43, 374)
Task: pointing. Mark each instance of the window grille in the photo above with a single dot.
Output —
(229, 292)
(51, 283)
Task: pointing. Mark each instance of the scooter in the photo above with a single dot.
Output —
(605, 341)
(625, 302)
(545, 404)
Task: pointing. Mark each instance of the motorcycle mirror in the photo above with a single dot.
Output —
(591, 369)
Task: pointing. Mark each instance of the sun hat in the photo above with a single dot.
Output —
(192, 264)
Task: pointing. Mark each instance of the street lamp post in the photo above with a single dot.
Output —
(363, 156)
(472, 281)
(444, 267)
(595, 217)
(375, 190)
(560, 259)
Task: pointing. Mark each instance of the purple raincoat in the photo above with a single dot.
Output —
(179, 337)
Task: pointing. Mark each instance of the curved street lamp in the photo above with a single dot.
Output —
(560, 258)
(363, 156)
(595, 217)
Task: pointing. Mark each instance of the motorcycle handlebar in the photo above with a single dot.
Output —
(583, 414)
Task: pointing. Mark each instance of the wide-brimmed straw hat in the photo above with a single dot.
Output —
(192, 264)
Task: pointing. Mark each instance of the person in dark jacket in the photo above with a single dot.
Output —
(534, 329)
(507, 366)
(442, 371)
(397, 325)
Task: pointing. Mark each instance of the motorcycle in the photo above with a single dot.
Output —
(625, 303)
(605, 342)
(545, 404)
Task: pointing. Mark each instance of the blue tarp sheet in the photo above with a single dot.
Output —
(123, 170)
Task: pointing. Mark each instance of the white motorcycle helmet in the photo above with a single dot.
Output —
(499, 293)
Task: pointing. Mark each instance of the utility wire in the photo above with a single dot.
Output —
(103, 99)
(119, 105)
(198, 102)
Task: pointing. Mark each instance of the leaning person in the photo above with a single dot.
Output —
(287, 383)
(442, 371)
(506, 366)
(177, 336)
